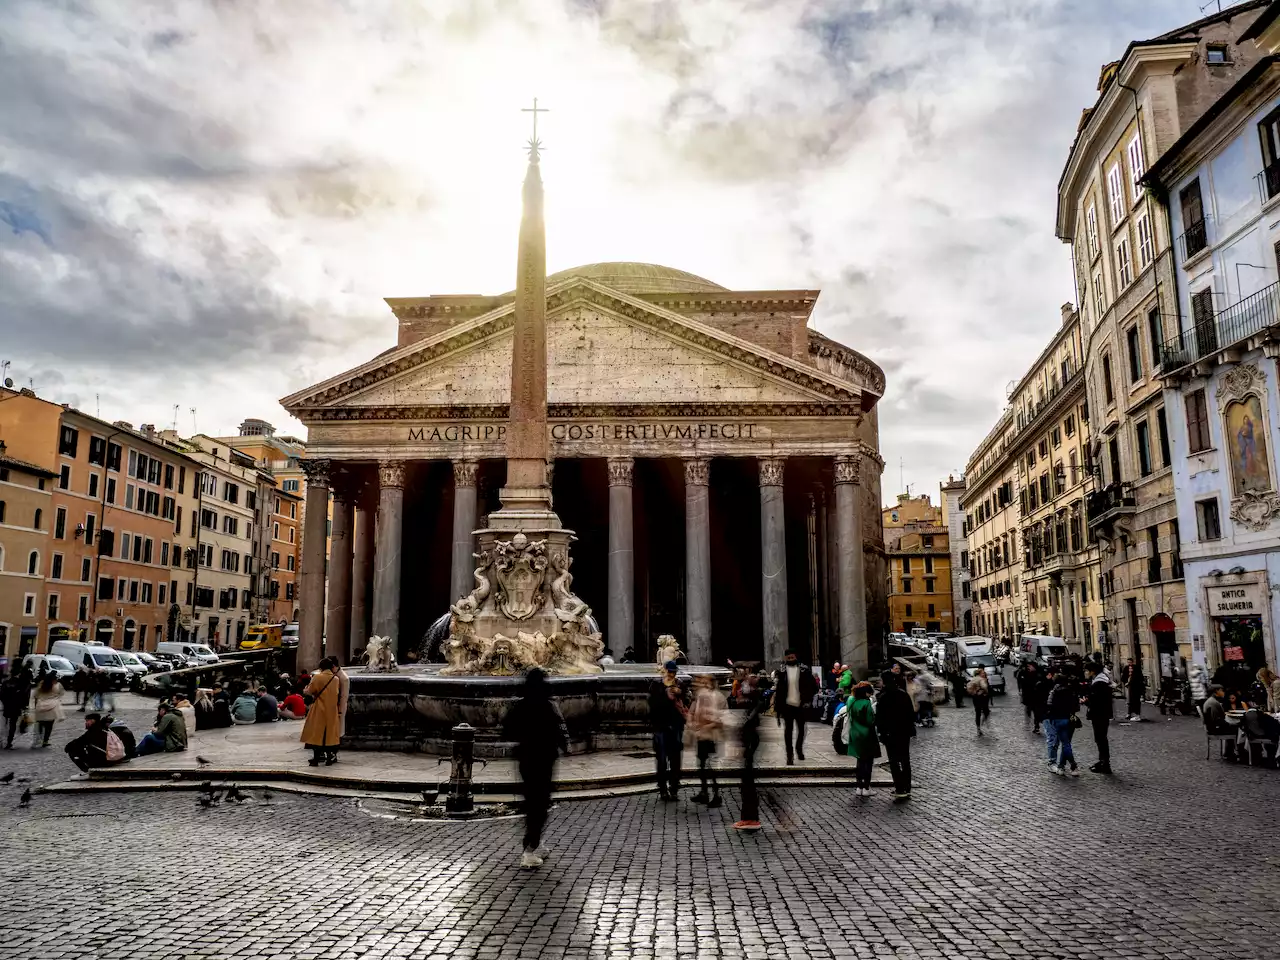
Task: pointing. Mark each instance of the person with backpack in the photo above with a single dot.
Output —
(98, 746)
(860, 733)
(979, 690)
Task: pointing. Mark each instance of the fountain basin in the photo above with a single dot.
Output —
(416, 708)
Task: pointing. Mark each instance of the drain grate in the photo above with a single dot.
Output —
(642, 755)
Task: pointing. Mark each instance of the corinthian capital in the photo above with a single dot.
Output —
(772, 470)
(621, 470)
(849, 468)
(697, 472)
(464, 472)
(391, 473)
(316, 471)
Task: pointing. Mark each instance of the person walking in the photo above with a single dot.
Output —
(1099, 711)
(1040, 690)
(15, 694)
(1137, 686)
(896, 725)
(860, 723)
(1271, 685)
(749, 693)
(1199, 685)
(793, 691)
(320, 729)
(46, 708)
(1061, 717)
(1028, 677)
(706, 723)
(979, 688)
(537, 727)
(668, 713)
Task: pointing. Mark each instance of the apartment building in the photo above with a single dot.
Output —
(1123, 254)
(25, 509)
(991, 525)
(918, 566)
(951, 500)
(1219, 186)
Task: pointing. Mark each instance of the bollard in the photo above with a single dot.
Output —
(464, 741)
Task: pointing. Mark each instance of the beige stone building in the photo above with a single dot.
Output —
(1123, 257)
(951, 500)
(25, 512)
(918, 558)
(990, 503)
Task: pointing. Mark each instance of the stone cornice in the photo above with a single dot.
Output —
(576, 411)
(823, 347)
(563, 295)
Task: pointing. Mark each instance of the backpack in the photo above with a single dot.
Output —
(115, 748)
(840, 735)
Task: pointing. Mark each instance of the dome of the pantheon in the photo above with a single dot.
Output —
(627, 277)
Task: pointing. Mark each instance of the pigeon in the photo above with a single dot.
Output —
(428, 797)
(202, 761)
(25, 799)
(7, 778)
(235, 795)
(207, 800)
(266, 794)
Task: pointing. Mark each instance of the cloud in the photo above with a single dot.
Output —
(202, 204)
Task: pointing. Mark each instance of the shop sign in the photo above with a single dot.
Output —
(1243, 600)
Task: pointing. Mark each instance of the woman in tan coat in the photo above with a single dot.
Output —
(321, 730)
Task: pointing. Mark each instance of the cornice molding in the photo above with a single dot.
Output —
(575, 411)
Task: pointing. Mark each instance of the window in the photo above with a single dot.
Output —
(1124, 263)
(208, 520)
(60, 524)
(231, 492)
(85, 566)
(1, 511)
(1202, 315)
(1197, 421)
(291, 533)
(38, 518)
(83, 612)
(1044, 488)
(928, 561)
(93, 485)
(908, 609)
(64, 477)
(1144, 448)
(1146, 241)
(67, 441)
(1208, 524)
(133, 591)
(1098, 298)
(1056, 436)
(906, 564)
(293, 512)
(1115, 193)
(1059, 479)
(146, 591)
(129, 491)
(1135, 354)
(1113, 454)
(930, 585)
(1194, 236)
(1162, 434)
(111, 489)
(89, 520)
(97, 452)
(1091, 228)
(1108, 389)
(230, 525)
(275, 560)
(1069, 425)
(1155, 332)
(291, 486)
(106, 588)
(289, 562)
(1136, 166)
(29, 605)
(33, 563)
(1215, 53)
(906, 584)
(168, 476)
(1154, 567)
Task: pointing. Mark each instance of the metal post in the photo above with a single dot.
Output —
(460, 799)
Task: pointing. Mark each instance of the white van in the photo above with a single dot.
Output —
(93, 655)
(201, 652)
(1041, 648)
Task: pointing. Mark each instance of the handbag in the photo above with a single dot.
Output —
(24, 722)
(1076, 722)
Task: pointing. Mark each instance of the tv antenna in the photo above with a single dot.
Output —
(194, 428)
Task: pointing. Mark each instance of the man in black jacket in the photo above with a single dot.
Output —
(536, 725)
(793, 690)
(1100, 713)
(667, 713)
(896, 726)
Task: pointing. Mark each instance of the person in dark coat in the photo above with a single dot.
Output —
(1040, 691)
(15, 694)
(750, 694)
(896, 726)
(1098, 702)
(537, 727)
(793, 691)
(1028, 676)
(668, 713)
(90, 748)
(1137, 686)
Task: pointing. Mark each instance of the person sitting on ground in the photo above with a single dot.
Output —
(188, 711)
(95, 747)
(219, 692)
(169, 735)
(293, 707)
(245, 708)
(268, 708)
(606, 658)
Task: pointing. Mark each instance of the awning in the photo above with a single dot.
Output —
(1161, 623)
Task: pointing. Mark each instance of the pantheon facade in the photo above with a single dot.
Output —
(716, 459)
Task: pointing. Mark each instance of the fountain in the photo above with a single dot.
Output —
(522, 612)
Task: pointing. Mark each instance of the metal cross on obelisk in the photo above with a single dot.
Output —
(535, 110)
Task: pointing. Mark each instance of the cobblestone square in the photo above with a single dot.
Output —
(994, 857)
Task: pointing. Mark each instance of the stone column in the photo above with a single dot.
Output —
(851, 579)
(386, 571)
(1055, 614)
(338, 621)
(773, 560)
(697, 560)
(361, 577)
(311, 577)
(622, 575)
(464, 519)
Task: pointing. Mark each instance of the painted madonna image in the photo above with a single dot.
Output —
(1247, 440)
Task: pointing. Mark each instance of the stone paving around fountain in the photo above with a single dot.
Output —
(272, 752)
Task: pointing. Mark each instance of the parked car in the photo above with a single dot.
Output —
(59, 665)
(133, 663)
(1041, 648)
(995, 672)
(153, 663)
(94, 655)
(202, 652)
(290, 636)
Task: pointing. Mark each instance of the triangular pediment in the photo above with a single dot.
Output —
(603, 347)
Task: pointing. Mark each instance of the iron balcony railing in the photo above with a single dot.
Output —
(1194, 239)
(1269, 179)
(1240, 321)
(1112, 498)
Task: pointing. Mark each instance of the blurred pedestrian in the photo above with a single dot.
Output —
(46, 708)
(896, 725)
(668, 713)
(320, 731)
(537, 727)
(15, 694)
(1100, 711)
(793, 692)
(706, 723)
(979, 688)
(750, 694)
(860, 722)
(1028, 676)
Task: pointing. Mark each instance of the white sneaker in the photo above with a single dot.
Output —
(1074, 771)
(529, 860)
(1054, 768)
(542, 852)
(1051, 764)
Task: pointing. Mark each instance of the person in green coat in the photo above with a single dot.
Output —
(860, 717)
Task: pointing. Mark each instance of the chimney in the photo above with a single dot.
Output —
(149, 429)
(123, 424)
(1068, 311)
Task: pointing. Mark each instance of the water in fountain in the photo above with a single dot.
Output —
(431, 649)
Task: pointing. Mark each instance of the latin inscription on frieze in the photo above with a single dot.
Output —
(575, 432)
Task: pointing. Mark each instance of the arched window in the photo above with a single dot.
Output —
(33, 563)
(39, 513)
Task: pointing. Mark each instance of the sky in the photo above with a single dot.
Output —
(202, 204)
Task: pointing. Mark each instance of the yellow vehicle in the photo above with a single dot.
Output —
(262, 635)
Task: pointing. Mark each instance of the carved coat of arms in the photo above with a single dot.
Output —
(520, 566)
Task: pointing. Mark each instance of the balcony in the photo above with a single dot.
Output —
(1269, 181)
(1102, 506)
(1193, 240)
(1252, 316)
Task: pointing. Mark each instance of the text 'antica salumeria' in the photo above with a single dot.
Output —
(455, 432)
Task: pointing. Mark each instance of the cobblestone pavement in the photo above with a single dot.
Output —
(1175, 857)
